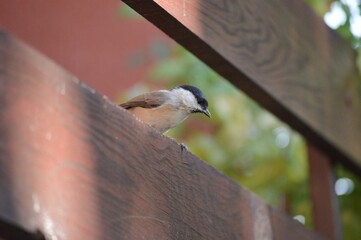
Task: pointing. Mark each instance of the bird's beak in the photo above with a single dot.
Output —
(206, 112)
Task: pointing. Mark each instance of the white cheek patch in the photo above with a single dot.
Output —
(186, 98)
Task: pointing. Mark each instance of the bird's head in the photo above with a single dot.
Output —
(193, 99)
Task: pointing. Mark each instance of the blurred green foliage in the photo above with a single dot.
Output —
(244, 141)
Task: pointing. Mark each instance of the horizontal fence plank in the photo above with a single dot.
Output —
(75, 166)
(282, 55)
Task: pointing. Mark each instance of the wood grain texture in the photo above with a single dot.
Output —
(75, 166)
(282, 55)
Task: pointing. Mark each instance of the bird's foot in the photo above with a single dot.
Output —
(183, 147)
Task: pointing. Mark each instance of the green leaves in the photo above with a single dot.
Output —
(320, 6)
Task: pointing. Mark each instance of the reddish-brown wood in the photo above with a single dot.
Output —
(326, 215)
(75, 166)
(94, 44)
(281, 54)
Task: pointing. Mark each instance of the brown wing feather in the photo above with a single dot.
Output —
(147, 100)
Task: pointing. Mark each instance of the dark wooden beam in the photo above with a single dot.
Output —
(9, 231)
(326, 217)
(281, 54)
(75, 166)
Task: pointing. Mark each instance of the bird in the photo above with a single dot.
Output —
(165, 109)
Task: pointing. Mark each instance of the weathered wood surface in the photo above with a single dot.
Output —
(326, 216)
(75, 166)
(281, 54)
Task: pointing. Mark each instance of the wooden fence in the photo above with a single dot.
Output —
(75, 166)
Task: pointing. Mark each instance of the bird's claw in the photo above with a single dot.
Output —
(183, 147)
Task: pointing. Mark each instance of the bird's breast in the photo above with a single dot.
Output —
(162, 118)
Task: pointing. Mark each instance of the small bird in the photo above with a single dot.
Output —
(165, 109)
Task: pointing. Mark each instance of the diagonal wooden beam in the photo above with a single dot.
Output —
(281, 54)
(73, 165)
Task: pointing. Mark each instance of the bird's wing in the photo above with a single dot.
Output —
(147, 100)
